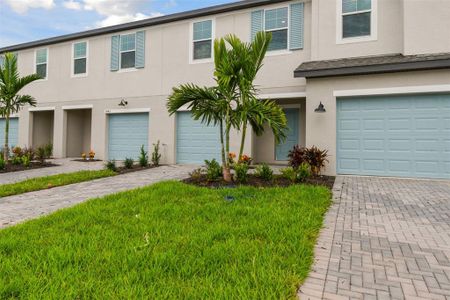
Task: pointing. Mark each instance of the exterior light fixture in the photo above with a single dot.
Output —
(320, 108)
(123, 103)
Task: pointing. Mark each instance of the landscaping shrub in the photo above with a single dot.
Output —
(29, 152)
(17, 151)
(26, 161)
(40, 154)
(156, 156)
(2, 163)
(241, 172)
(297, 156)
(289, 173)
(316, 158)
(213, 170)
(143, 158)
(111, 165)
(196, 174)
(48, 150)
(264, 172)
(16, 160)
(245, 159)
(303, 172)
(128, 163)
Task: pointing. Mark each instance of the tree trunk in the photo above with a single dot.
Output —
(6, 146)
(244, 132)
(222, 146)
(226, 170)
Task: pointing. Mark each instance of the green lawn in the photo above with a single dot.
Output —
(167, 241)
(41, 183)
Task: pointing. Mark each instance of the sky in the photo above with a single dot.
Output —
(28, 20)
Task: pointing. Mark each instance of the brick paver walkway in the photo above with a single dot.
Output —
(384, 239)
(15, 209)
(65, 165)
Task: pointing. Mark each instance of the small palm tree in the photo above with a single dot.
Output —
(253, 111)
(10, 101)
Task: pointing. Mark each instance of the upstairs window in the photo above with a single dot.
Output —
(42, 62)
(80, 58)
(202, 40)
(127, 51)
(276, 21)
(356, 18)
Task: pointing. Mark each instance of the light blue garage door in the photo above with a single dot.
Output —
(405, 136)
(127, 133)
(196, 141)
(13, 132)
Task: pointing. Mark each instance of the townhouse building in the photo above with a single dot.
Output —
(368, 80)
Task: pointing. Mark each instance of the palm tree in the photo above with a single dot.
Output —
(10, 102)
(222, 105)
(252, 111)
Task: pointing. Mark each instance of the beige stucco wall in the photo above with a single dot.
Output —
(78, 132)
(426, 26)
(321, 128)
(42, 128)
(324, 31)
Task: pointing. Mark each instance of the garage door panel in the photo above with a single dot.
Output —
(196, 141)
(13, 135)
(126, 134)
(394, 136)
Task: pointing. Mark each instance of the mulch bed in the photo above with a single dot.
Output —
(86, 160)
(278, 181)
(33, 165)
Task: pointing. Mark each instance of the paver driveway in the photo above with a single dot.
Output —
(18, 208)
(384, 238)
(64, 165)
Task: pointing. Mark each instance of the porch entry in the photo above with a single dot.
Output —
(292, 139)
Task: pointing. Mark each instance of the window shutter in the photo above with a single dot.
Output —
(140, 49)
(115, 41)
(257, 22)
(296, 26)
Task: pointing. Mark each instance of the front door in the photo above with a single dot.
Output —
(282, 150)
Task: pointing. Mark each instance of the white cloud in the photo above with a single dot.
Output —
(117, 11)
(72, 5)
(22, 6)
(115, 19)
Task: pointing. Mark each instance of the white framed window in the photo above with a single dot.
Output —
(202, 41)
(41, 60)
(127, 49)
(2, 60)
(79, 59)
(276, 21)
(356, 21)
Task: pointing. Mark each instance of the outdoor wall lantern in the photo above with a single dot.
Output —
(320, 108)
(123, 103)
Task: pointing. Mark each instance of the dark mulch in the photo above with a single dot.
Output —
(33, 165)
(278, 180)
(86, 160)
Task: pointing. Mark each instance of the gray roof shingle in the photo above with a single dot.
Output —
(373, 65)
(223, 8)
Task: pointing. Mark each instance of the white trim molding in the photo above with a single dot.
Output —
(282, 95)
(41, 108)
(84, 106)
(193, 61)
(72, 74)
(127, 111)
(394, 90)
(373, 25)
(11, 116)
